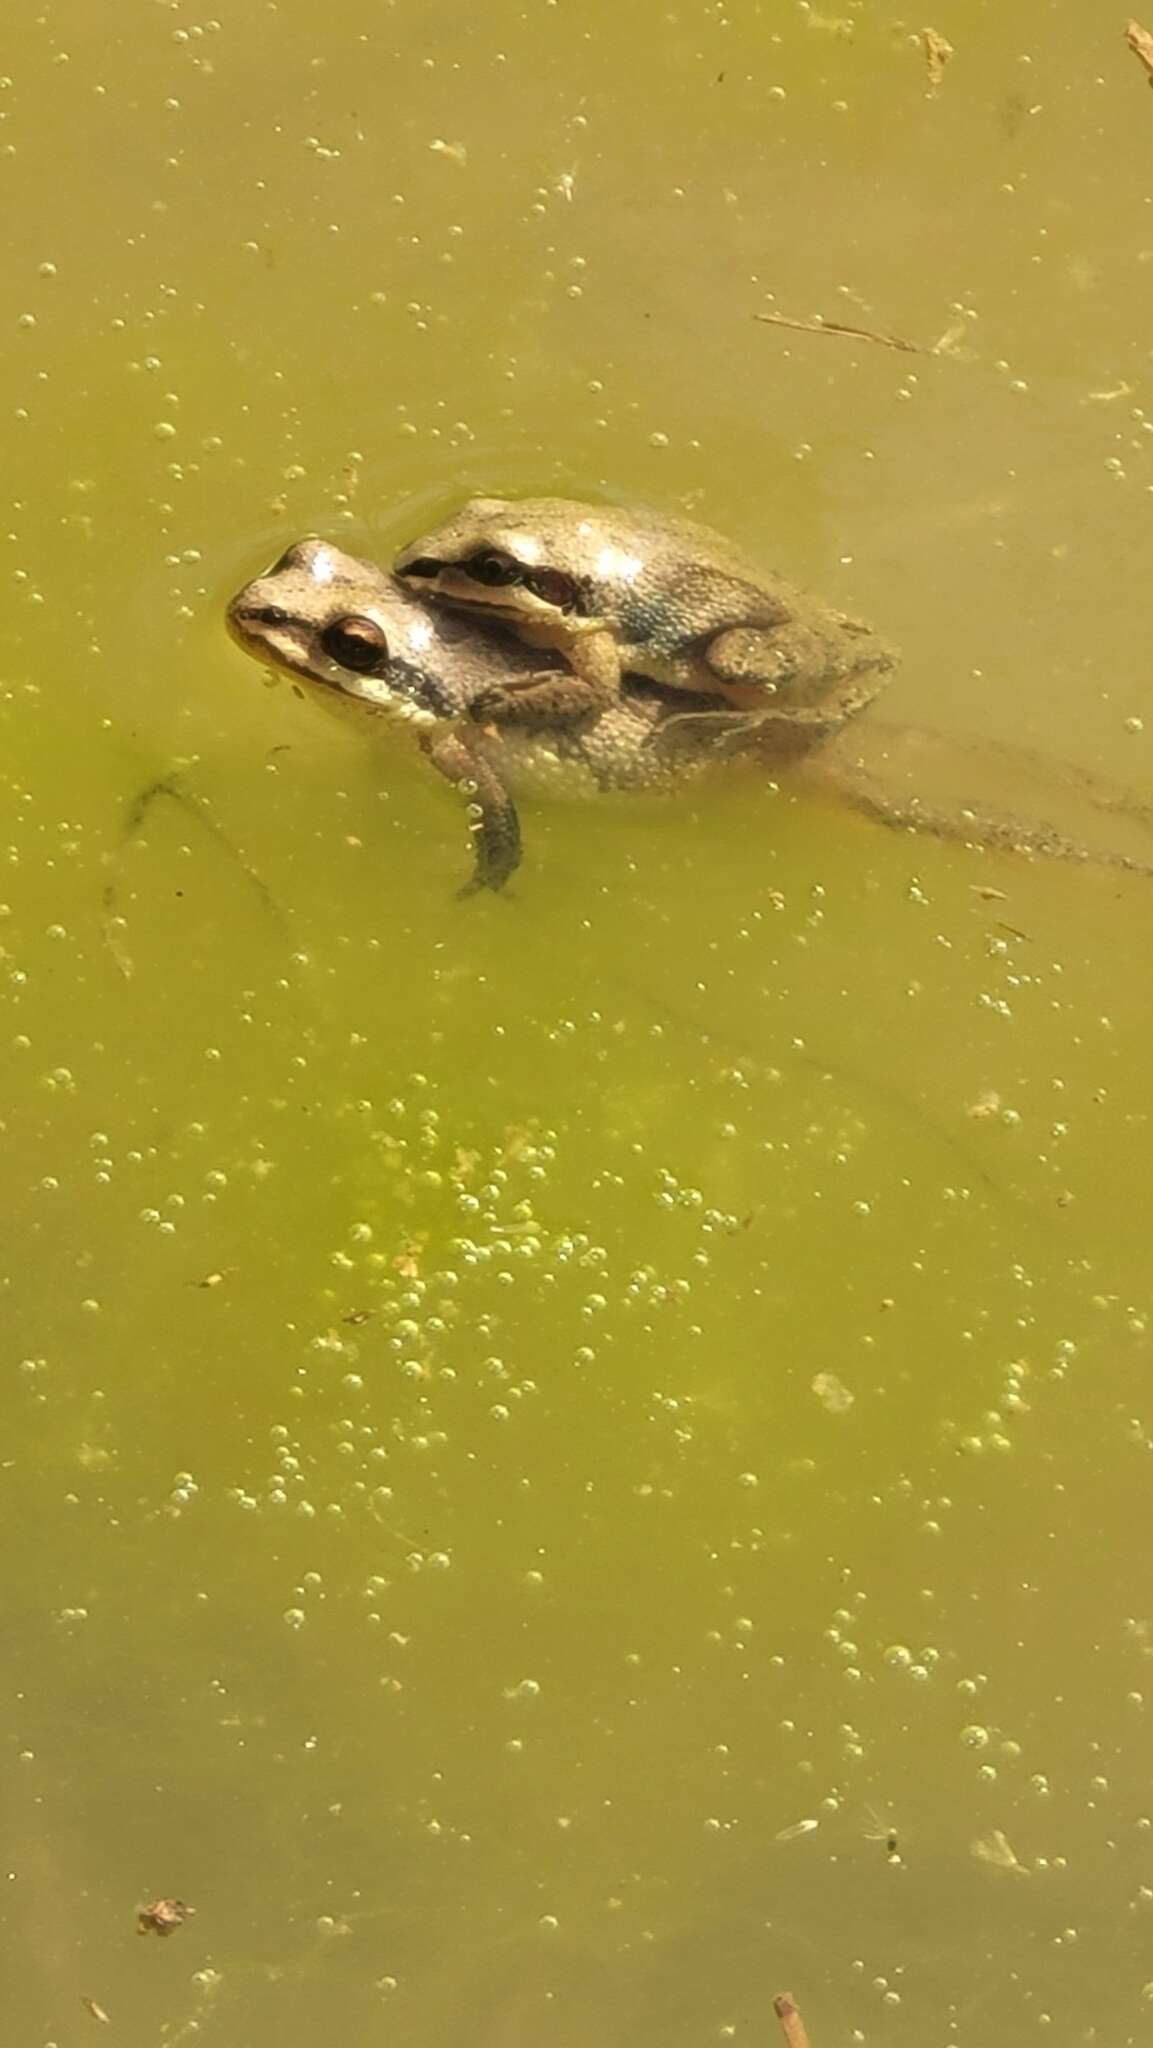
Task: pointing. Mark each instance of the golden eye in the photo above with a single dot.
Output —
(356, 643)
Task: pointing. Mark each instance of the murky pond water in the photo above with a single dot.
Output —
(570, 1462)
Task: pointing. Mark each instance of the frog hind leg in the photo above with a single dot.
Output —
(771, 733)
(854, 786)
(493, 819)
(556, 696)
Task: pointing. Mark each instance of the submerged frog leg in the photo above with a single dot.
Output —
(973, 828)
(493, 821)
(729, 727)
(1111, 797)
(172, 787)
(771, 733)
(557, 696)
(889, 772)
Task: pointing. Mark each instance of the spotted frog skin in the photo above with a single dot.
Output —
(328, 619)
(617, 591)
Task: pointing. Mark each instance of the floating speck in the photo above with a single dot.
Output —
(832, 1393)
(796, 1830)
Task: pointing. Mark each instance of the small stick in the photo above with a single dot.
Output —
(792, 2025)
(909, 348)
(1141, 43)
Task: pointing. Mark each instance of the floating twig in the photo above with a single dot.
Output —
(792, 2025)
(1140, 41)
(909, 348)
(946, 346)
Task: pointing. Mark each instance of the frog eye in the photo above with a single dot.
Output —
(492, 567)
(356, 643)
(552, 588)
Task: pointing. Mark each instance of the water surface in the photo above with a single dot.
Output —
(570, 1462)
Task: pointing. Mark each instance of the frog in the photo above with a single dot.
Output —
(361, 638)
(619, 591)
(366, 644)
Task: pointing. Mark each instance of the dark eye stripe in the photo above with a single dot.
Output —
(552, 588)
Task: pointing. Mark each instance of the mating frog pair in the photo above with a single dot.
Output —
(575, 648)
(624, 651)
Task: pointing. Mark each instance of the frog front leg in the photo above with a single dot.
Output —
(788, 664)
(557, 696)
(493, 819)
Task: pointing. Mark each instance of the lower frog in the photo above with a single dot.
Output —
(326, 618)
(618, 592)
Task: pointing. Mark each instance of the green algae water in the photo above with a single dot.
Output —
(571, 1462)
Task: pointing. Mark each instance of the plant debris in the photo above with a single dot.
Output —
(832, 1393)
(1140, 41)
(113, 924)
(996, 1848)
(944, 347)
(938, 51)
(97, 2011)
(819, 326)
(163, 1916)
(986, 1104)
(798, 1828)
